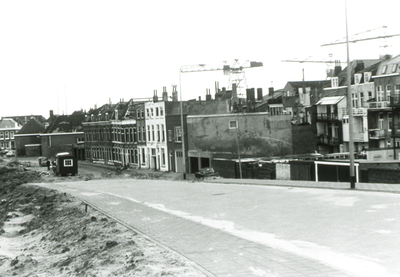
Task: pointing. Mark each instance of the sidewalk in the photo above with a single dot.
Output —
(215, 252)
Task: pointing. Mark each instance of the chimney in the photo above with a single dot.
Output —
(259, 94)
(200, 99)
(208, 94)
(234, 91)
(165, 94)
(51, 114)
(155, 97)
(338, 68)
(250, 95)
(174, 94)
(270, 91)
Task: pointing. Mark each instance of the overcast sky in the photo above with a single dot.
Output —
(72, 55)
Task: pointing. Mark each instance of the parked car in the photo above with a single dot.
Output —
(11, 153)
(206, 172)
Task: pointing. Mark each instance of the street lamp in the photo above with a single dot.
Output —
(350, 109)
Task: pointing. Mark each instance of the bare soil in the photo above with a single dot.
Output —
(47, 233)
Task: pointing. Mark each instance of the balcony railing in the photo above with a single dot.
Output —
(378, 105)
(357, 111)
(377, 134)
(323, 139)
(327, 116)
(360, 137)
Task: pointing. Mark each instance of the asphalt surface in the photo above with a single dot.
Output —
(259, 227)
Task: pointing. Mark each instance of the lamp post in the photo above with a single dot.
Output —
(350, 109)
(182, 130)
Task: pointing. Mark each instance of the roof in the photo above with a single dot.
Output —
(310, 84)
(9, 123)
(66, 123)
(33, 126)
(356, 66)
(391, 66)
(330, 100)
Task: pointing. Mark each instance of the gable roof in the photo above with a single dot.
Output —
(33, 126)
(66, 123)
(9, 123)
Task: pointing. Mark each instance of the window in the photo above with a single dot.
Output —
(394, 67)
(148, 112)
(156, 111)
(362, 99)
(161, 111)
(148, 132)
(158, 133)
(11, 134)
(68, 163)
(162, 133)
(397, 89)
(384, 69)
(380, 121)
(138, 113)
(142, 112)
(143, 133)
(80, 140)
(390, 119)
(139, 133)
(357, 78)
(370, 96)
(169, 135)
(1, 135)
(7, 135)
(143, 155)
(152, 112)
(379, 93)
(232, 124)
(152, 133)
(134, 134)
(178, 134)
(335, 82)
(354, 100)
(388, 90)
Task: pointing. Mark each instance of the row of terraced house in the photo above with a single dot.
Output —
(302, 118)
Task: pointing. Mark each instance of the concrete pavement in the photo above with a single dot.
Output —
(216, 252)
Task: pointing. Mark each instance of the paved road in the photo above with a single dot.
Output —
(236, 230)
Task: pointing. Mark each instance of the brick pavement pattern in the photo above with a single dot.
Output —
(217, 253)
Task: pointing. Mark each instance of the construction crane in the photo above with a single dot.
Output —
(343, 41)
(234, 69)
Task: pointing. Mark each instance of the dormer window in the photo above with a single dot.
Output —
(384, 69)
(357, 78)
(335, 82)
(367, 77)
(394, 67)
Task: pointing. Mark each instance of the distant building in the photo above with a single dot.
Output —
(214, 140)
(27, 141)
(8, 128)
(64, 134)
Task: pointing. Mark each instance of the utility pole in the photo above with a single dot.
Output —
(350, 109)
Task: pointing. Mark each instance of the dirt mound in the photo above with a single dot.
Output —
(55, 236)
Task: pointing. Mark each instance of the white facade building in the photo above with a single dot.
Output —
(156, 139)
